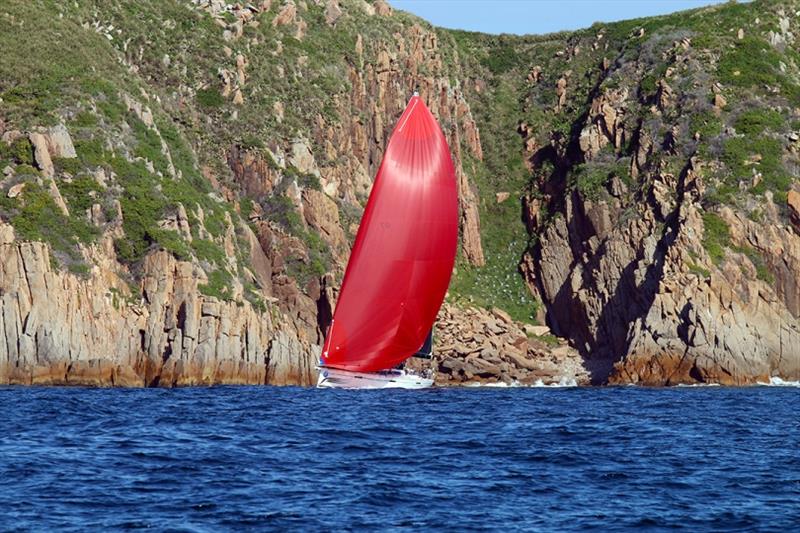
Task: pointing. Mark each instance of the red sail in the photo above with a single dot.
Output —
(404, 252)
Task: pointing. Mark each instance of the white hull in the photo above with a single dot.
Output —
(387, 379)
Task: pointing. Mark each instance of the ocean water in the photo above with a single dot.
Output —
(261, 458)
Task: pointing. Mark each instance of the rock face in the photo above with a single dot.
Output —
(656, 180)
(42, 154)
(644, 317)
(662, 286)
(476, 345)
(353, 148)
(59, 142)
(60, 329)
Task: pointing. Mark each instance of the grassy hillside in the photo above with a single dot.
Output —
(719, 86)
(84, 63)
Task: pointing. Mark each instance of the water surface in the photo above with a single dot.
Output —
(261, 458)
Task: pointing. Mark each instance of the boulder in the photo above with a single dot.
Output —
(60, 143)
(536, 331)
(332, 12)
(15, 190)
(521, 361)
(286, 15)
(41, 154)
(302, 158)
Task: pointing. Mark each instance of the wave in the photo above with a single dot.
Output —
(775, 381)
(562, 383)
(497, 384)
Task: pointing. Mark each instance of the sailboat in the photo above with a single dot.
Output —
(401, 262)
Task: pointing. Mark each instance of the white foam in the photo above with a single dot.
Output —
(563, 382)
(502, 384)
(697, 385)
(775, 381)
(498, 384)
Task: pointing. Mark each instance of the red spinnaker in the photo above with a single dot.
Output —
(404, 251)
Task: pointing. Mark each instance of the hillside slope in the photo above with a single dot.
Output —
(662, 207)
(182, 181)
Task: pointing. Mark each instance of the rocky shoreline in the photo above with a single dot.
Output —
(61, 329)
(479, 346)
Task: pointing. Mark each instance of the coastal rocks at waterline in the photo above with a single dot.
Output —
(637, 285)
(482, 346)
(63, 329)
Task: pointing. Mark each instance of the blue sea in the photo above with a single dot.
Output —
(263, 458)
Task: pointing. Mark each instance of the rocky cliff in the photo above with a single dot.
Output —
(182, 182)
(665, 246)
(189, 214)
(63, 330)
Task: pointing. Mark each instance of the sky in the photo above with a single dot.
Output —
(537, 16)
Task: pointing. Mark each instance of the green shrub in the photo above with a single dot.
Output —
(762, 270)
(90, 152)
(20, 151)
(502, 57)
(720, 194)
(84, 119)
(142, 206)
(184, 161)
(305, 180)
(112, 108)
(549, 339)
(754, 121)
(218, 286)
(649, 82)
(80, 193)
(753, 63)
(590, 177)
(281, 209)
(716, 236)
(148, 145)
(246, 207)
(70, 165)
(739, 151)
(756, 215)
(215, 222)
(27, 170)
(250, 141)
(36, 217)
(706, 123)
(97, 86)
(79, 268)
(210, 98)
(750, 62)
(209, 251)
(171, 241)
(125, 251)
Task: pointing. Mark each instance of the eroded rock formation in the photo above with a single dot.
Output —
(661, 253)
(475, 345)
(61, 329)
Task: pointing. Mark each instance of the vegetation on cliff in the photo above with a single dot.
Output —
(243, 138)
